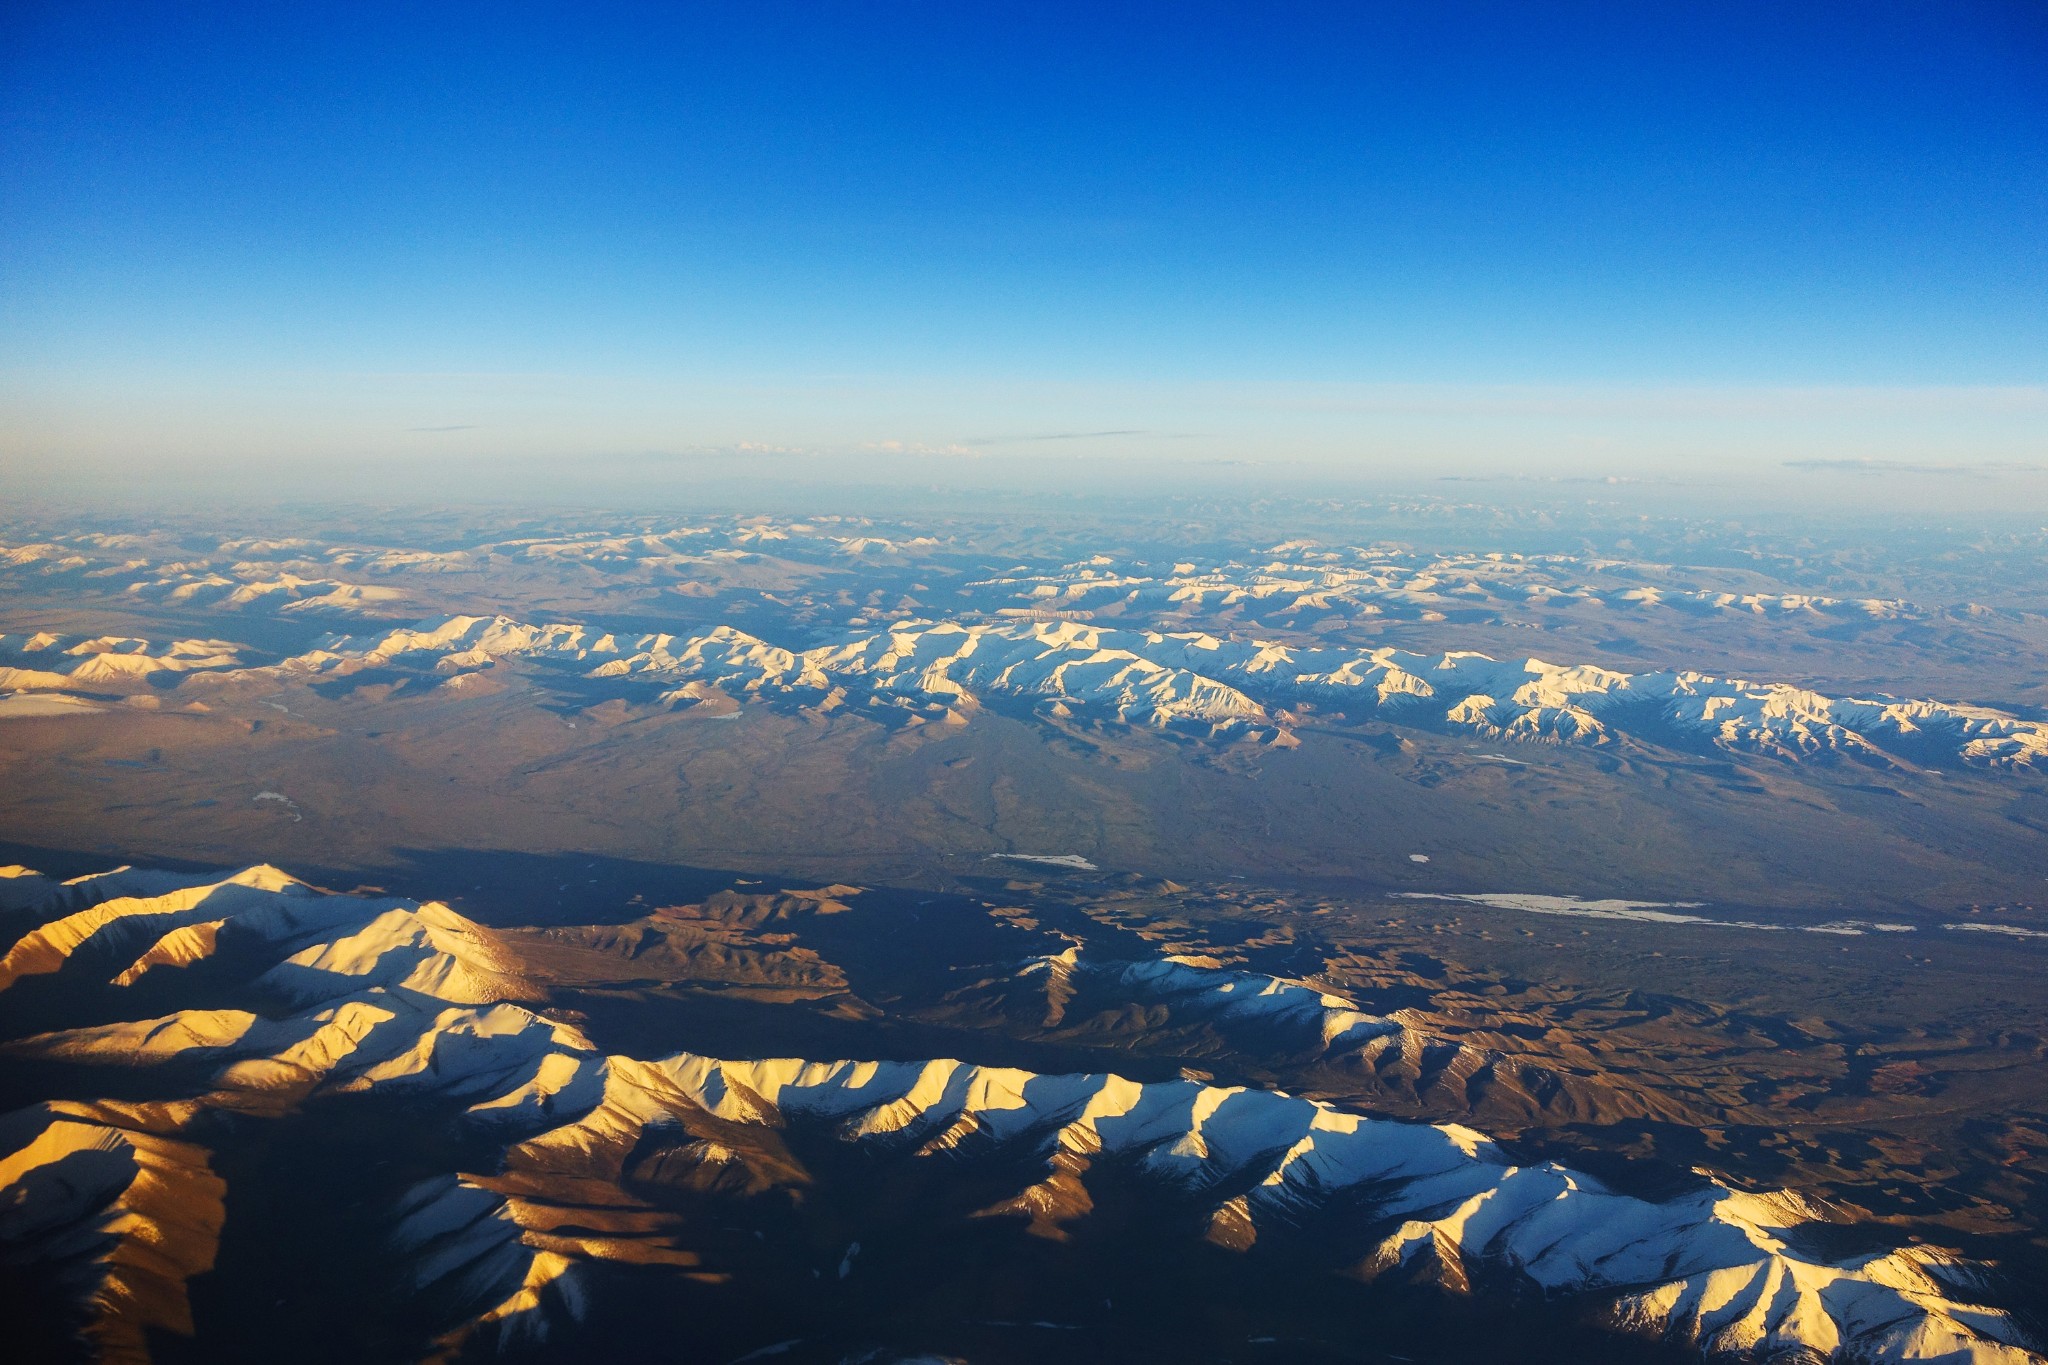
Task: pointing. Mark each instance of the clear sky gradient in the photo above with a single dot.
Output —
(1427, 236)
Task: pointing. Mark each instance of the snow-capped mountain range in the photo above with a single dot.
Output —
(300, 994)
(1224, 686)
(1233, 640)
(946, 669)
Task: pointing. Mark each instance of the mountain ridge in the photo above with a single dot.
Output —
(1726, 1271)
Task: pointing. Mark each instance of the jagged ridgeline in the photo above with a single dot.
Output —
(274, 1122)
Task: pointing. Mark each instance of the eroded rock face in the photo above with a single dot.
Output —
(568, 1163)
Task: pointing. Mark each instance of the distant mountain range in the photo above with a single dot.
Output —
(944, 670)
(1231, 686)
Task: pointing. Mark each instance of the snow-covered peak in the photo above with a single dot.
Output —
(120, 927)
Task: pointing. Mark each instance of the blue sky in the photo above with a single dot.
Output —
(303, 230)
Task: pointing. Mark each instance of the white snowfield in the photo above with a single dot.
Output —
(1194, 679)
(391, 995)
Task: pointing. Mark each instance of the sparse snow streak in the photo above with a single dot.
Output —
(401, 996)
(2009, 930)
(1072, 860)
(1666, 912)
(1204, 992)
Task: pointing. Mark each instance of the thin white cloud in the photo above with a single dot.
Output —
(1970, 469)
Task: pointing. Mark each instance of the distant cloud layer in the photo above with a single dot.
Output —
(1975, 469)
(1058, 436)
